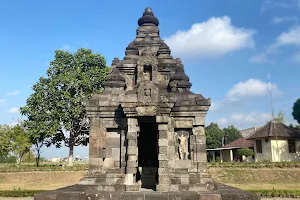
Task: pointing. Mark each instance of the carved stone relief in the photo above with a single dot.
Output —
(148, 93)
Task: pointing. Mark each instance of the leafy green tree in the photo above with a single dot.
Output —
(71, 78)
(296, 111)
(39, 123)
(5, 147)
(279, 117)
(8, 159)
(214, 136)
(294, 126)
(29, 157)
(231, 133)
(19, 141)
(245, 151)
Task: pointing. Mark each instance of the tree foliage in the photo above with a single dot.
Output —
(29, 157)
(214, 136)
(231, 133)
(294, 126)
(19, 141)
(245, 151)
(296, 111)
(55, 111)
(5, 147)
(13, 140)
(279, 117)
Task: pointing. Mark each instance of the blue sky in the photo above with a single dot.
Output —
(228, 47)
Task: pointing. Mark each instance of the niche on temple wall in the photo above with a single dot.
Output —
(183, 144)
(147, 72)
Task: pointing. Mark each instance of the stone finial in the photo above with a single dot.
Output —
(114, 79)
(148, 18)
(179, 75)
(148, 10)
(164, 48)
(178, 61)
(179, 79)
(115, 61)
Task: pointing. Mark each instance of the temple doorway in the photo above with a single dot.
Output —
(148, 153)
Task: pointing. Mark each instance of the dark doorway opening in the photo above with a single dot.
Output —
(148, 153)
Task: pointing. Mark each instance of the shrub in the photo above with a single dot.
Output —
(245, 151)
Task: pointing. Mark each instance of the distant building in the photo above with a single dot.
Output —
(59, 159)
(276, 142)
(228, 153)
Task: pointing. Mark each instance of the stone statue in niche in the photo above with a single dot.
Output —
(183, 147)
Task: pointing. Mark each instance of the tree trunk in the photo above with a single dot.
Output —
(71, 152)
(37, 158)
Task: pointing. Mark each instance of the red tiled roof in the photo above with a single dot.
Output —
(241, 142)
(273, 129)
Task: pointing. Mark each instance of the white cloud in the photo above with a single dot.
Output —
(242, 90)
(214, 106)
(13, 93)
(271, 4)
(278, 20)
(260, 58)
(214, 37)
(2, 100)
(245, 119)
(251, 87)
(289, 38)
(14, 110)
(296, 57)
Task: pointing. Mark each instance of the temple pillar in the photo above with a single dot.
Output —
(97, 142)
(163, 167)
(132, 155)
(200, 155)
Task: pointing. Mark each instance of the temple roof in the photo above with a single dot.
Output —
(148, 17)
(273, 129)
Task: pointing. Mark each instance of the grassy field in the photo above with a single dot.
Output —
(260, 178)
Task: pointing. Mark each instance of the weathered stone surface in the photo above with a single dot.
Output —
(75, 192)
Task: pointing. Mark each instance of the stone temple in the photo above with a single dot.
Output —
(147, 137)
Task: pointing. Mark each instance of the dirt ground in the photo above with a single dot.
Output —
(39, 180)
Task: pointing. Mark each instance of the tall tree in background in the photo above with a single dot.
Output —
(296, 111)
(14, 140)
(19, 141)
(71, 78)
(5, 146)
(279, 117)
(39, 123)
(231, 133)
(214, 136)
